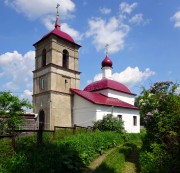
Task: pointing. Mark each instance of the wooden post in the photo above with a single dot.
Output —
(54, 133)
(13, 141)
(65, 131)
(94, 128)
(74, 129)
(39, 136)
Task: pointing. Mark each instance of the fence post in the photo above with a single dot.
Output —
(39, 136)
(54, 133)
(74, 129)
(65, 131)
(94, 129)
(13, 141)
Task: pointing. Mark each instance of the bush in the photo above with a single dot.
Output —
(109, 123)
(68, 155)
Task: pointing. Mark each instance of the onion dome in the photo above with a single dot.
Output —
(106, 62)
(107, 84)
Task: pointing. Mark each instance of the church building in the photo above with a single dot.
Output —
(57, 97)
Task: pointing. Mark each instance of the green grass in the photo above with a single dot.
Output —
(64, 154)
(113, 163)
(61, 155)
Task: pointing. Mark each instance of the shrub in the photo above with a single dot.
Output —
(109, 123)
(68, 155)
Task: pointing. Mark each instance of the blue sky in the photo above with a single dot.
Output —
(143, 38)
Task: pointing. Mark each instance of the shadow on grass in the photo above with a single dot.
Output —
(47, 158)
(131, 153)
(103, 168)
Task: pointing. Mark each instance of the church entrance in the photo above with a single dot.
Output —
(41, 120)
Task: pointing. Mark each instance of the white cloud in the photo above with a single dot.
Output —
(136, 19)
(17, 69)
(38, 8)
(112, 32)
(27, 94)
(127, 8)
(72, 32)
(177, 90)
(105, 10)
(46, 12)
(130, 76)
(176, 19)
(49, 24)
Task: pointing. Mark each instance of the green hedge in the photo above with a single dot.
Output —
(68, 155)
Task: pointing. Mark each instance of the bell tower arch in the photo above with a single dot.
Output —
(56, 71)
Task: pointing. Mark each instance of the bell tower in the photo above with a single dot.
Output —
(56, 71)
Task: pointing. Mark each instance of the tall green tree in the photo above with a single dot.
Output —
(11, 109)
(160, 113)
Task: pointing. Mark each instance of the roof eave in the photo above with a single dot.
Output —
(51, 33)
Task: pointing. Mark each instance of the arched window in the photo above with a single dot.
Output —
(65, 59)
(43, 57)
(41, 119)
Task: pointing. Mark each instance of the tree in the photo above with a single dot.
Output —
(109, 123)
(160, 112)
(11, 109)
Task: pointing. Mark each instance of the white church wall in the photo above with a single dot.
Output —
(119, 95)
(84, 112)
(127, 116)
(106, 72)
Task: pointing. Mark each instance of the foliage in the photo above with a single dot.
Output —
(160, 110)
(68, 155)
(109, 123)
(115, 161)
(11, 107)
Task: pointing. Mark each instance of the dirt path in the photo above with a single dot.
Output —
(132, 165)
(96, 162)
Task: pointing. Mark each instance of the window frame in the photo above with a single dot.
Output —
(65, 59)
(43, 63)
(134, 120)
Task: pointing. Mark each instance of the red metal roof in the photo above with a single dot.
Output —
(107, 84)
(100, 99)
(106, 62)
(57, 32)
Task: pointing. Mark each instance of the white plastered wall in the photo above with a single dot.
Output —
(85, 112)
(127, 116)
(128, 98)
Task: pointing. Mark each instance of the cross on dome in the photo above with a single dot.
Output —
(107, 61)
(57, 7)
(107, 45)
(57, 24)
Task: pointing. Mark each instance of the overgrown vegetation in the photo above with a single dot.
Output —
(68, 155)
(110, 123)
(114, 162)
(11, 107)
(160, 111)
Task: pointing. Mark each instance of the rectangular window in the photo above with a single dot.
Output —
(42, 84)
(135, 120)
(119, 117)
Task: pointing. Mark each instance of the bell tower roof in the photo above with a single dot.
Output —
(57, 32)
